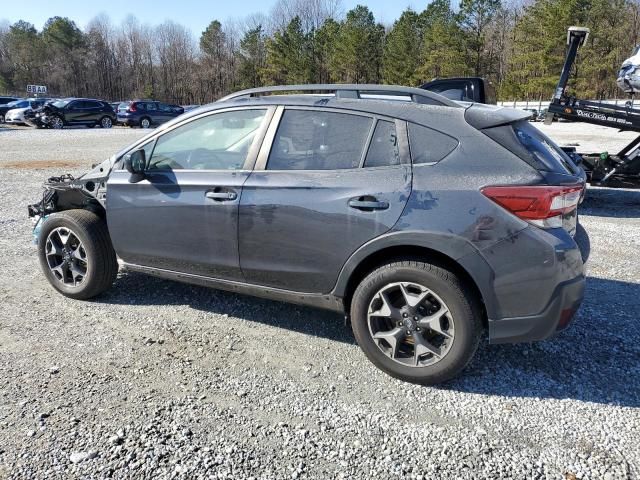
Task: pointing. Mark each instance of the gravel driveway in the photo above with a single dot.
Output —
(162, 380)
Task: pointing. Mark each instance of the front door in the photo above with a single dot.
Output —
(183, 216)
(330, 183)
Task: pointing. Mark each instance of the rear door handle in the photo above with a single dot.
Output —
(221, 196)
(367, 204)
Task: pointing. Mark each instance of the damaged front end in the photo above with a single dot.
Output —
(88, 192)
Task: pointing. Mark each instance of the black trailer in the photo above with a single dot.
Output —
(621, 170)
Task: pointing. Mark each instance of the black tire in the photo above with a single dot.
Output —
(101, 262)
(458, 297)
(145, 122)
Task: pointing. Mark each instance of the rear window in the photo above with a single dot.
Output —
(542, 147)
(428, 145)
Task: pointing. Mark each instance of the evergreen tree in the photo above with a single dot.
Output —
(443, 51)
(401, 57)
(289, 56)
(252, 58)
(358, 52)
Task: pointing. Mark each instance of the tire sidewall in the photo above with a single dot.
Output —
(466, 326)
(60, 220)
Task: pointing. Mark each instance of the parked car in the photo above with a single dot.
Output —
(426, 222)
(6, 104)
(18, 114)
(146, 113)
(74, 111)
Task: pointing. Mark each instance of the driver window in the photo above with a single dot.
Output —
(216, 142)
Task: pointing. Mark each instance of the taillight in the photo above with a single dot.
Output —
(544, 206)
(132, 107)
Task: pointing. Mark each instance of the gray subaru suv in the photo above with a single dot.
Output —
(425, 221)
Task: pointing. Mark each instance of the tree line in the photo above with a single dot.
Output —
(518, 46)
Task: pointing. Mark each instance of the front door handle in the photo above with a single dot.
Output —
(221, 196)
(368, 204)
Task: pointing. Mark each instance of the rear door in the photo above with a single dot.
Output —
(183, 216)
(325, 183)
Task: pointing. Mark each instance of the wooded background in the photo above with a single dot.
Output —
(518, 45)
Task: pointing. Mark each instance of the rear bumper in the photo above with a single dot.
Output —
(533, 283)
(556, 317)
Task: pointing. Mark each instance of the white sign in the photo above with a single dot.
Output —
(36, 89)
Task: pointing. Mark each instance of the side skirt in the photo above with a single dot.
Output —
(324, 301)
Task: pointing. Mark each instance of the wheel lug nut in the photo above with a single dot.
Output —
(405, 315)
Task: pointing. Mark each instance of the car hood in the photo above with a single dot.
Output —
(13, 111)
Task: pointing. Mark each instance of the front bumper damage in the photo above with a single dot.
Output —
(65, 192)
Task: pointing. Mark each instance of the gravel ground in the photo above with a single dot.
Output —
(156, 379)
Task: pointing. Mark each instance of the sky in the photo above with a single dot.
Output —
(194, 14)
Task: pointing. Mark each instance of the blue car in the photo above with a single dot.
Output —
(146, 113)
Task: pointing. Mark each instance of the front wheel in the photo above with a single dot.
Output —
(106, 122)
(57, 123)
(76, 254)
(416, 321)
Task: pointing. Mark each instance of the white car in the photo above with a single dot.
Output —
(16, 115)
(629, 74)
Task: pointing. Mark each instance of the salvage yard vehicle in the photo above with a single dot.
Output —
(74, 111)
(146, 113)
(19, 113)
(424, 221)
(6, 104)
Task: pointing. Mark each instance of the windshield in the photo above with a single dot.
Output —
(60, 103)
(18, 104)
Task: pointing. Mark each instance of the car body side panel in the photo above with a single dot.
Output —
(166, 221)
(297, 230)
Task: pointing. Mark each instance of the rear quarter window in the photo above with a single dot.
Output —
(429, 146)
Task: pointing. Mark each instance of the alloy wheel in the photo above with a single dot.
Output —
(66, 257)
(145, 123)
(57, 123)
(106, 122)
(410, 324)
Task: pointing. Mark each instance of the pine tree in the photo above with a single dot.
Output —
(401, 57)
(289, 56)
(252, 58)
(443, 51)
(358, 51)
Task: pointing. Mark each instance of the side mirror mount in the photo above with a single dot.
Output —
(135, 163)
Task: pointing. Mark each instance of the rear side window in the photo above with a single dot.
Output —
(316, 140)
(383, 150)
(429, 146)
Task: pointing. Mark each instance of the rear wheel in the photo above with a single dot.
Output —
(106, 122)
(416, 321)
(1, 118)
(145, 122)
(76, 254)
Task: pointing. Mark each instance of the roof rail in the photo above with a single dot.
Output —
(350, 90)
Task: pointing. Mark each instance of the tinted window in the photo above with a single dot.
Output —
(314, 140)
(217, 142)
(542, 147)
(429, 146)
(383, 150)
(92, 104)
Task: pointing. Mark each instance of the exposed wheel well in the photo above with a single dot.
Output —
(410, 252)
